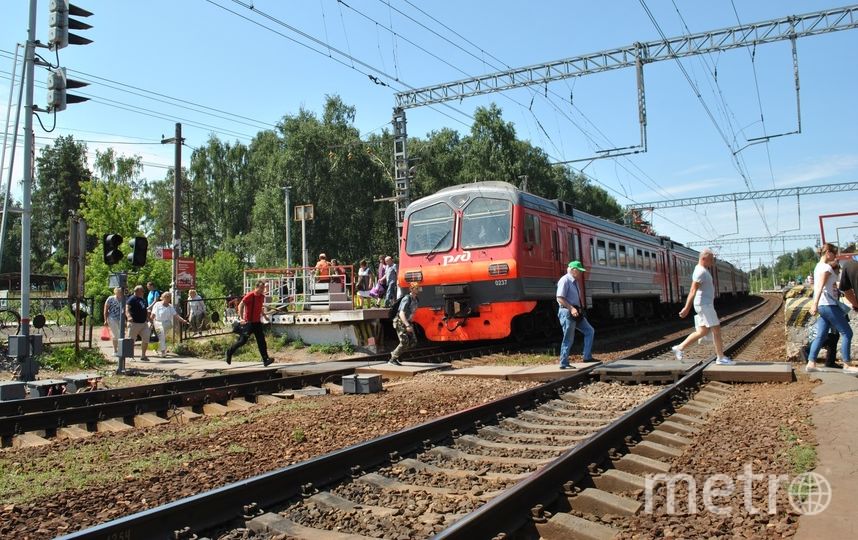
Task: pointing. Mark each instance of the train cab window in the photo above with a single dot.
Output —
(612, 254)
(624, 262)
(640, 260)
(531, 229)
(430, 229)
(601, 256)
(486, 222)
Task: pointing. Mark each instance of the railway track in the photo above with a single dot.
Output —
(515, 464)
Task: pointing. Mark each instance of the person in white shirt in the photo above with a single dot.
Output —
(164, 313)
(702, 298)
(826, 300)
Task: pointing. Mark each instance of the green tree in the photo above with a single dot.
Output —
(220, 274)
(61, 172)
(110, 205)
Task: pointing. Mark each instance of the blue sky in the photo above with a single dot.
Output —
(235, 77)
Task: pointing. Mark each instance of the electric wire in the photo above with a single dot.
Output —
(718, 128)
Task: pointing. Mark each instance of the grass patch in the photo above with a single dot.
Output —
(344, 347)
(298, 435)
(109, 461)
(801, 456)
(65, 358)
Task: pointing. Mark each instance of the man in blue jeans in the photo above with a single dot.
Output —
(571, 313)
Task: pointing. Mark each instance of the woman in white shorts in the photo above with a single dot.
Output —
(702, 297)
(163, 312)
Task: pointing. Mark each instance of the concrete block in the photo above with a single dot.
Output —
(565, 526)
(72, 433)
(82, 382)
(238, 404)
(676, 428)
(28, 440)
(598, 502)
(615, 480)
(750, 372)
(148, 420)
(278, 525)
(655, 450)
(267, 399)
(182, 415)
(112, 425)
(668, 439)
(685, 419)
(635, 464)
(215, 409)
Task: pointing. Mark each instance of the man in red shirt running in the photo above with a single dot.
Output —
(249, 316)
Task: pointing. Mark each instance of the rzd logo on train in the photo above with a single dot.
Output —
(464, 256)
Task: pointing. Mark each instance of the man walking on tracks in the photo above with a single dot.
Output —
(702, 297)
(571, 313)
(402, 323)
(250, 317)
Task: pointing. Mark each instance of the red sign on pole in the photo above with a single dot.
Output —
(164, 253)
(186, 277)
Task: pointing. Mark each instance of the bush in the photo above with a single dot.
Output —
(64, 358)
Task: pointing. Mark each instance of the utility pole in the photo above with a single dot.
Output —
(177, 212)
(288, 227)
(23, 347)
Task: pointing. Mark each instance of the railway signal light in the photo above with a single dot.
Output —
(60, 23)
(111, 243)
(57, 85)
(139, 247)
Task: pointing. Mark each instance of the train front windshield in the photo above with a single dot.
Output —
(485, 222)
(430, 230)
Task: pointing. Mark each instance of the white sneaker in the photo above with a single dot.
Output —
(811, 367)
(677, 352)
(725, 361)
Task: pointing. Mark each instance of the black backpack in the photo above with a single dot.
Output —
(393, 312)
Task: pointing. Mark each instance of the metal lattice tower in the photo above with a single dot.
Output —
(745, 196)
(637, 54)
(402, 175)
(746, 35)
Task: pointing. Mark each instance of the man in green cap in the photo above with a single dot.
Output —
(571, 313)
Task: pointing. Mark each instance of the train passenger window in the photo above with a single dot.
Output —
(573, 243)
(640, 260)
(601, 257)
(612, 254)
(430, 229)
(531, 229)
(624, 262)
(486, 222)
(648, 261)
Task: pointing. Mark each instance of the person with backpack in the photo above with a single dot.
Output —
(402, 312)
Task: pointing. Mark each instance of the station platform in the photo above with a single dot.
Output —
(833, 416)
(750, 372)
(407, 369)
(519, 373)
(641, 371)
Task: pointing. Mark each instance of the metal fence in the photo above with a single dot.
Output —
(208, 316)
(51, 316)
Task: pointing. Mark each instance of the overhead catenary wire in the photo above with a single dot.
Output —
(718, 128)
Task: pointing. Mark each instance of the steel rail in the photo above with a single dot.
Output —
(249, 497)
(206, 510)
(508, 512)
(63, 401)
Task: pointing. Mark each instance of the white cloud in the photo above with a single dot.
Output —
(826, 169)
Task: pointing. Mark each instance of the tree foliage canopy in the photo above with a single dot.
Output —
(232, 194)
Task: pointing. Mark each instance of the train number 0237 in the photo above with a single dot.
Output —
(500, 282)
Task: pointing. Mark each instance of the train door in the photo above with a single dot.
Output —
(573, 248)
(557, 259)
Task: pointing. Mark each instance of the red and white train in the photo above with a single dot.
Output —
(488, 257)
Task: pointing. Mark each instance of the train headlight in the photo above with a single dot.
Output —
(498, 269)
(414, 276)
